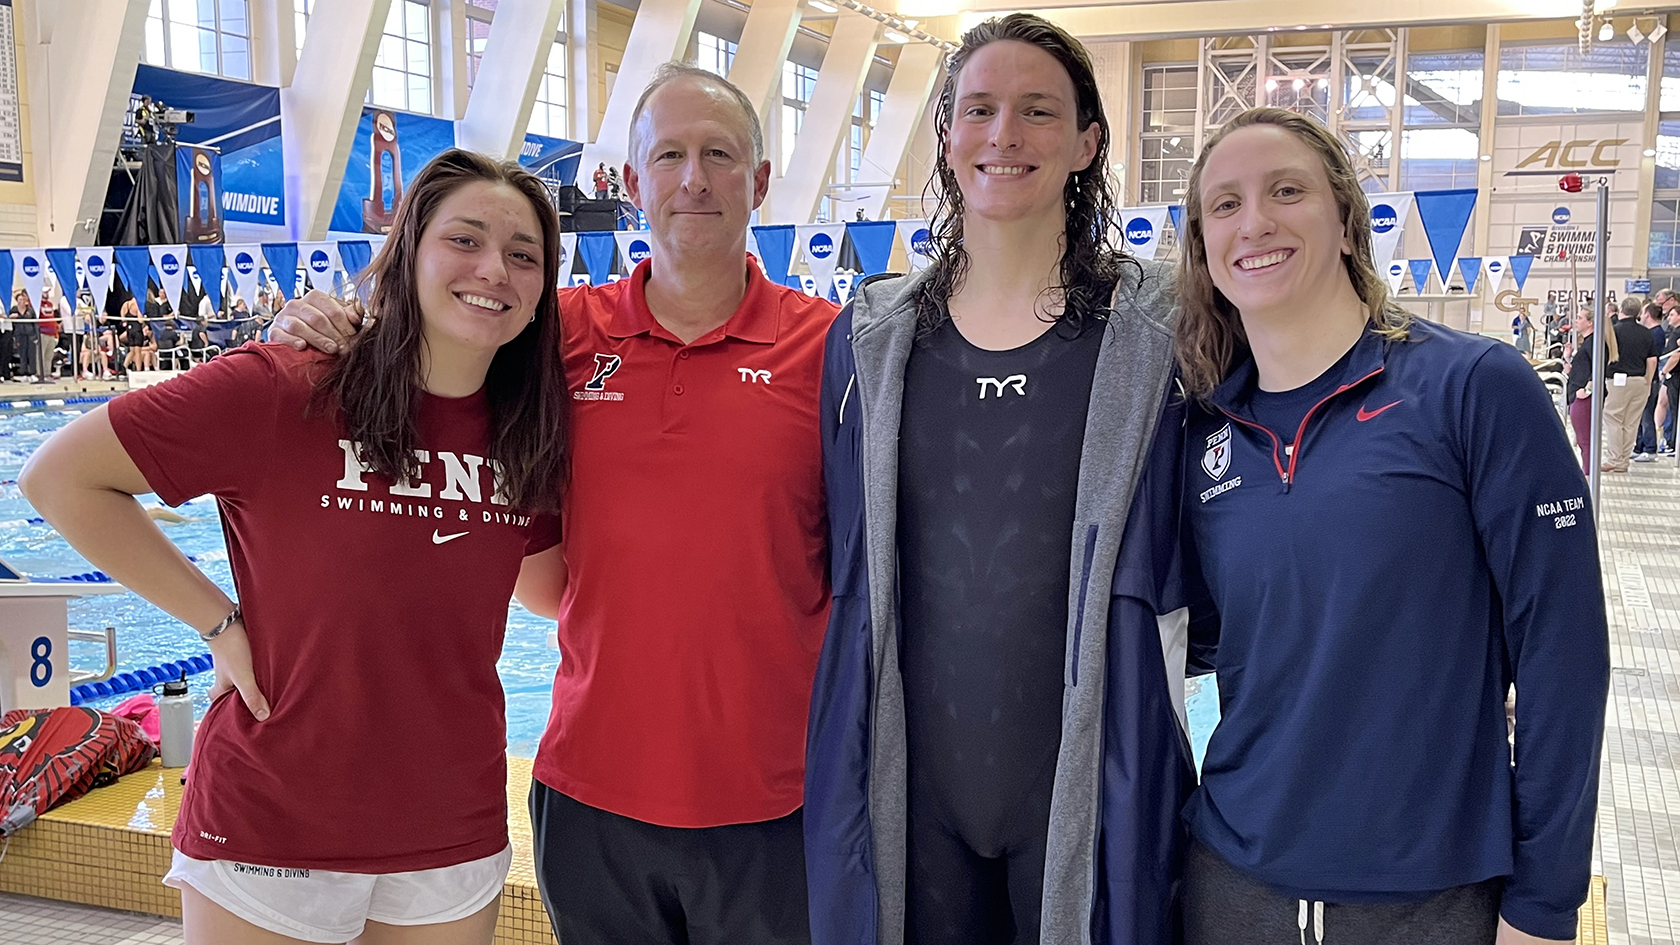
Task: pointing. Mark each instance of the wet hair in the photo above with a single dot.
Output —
(1210, 332)
(378, 382)
(670, 72)
(1090, 264)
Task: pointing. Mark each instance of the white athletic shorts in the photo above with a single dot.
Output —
(324, 906)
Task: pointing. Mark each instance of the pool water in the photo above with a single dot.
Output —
(146, 636)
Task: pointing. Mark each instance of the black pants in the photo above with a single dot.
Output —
(6, 355)
(1647, 442)
(611, 880)
(1223, 906)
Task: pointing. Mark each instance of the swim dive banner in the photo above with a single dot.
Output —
(389, 149)
(241, 122)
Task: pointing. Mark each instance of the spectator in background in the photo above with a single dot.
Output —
(1645, 448)
(135, 336)
(1624, 401)
(206, 308)
(169, 344)
(6, 347)
(50, 331)
(27, 336)
(601, 180)
(1577, 391)
(1668, 370)
(198, 341)
(99, 344)
(261, 308)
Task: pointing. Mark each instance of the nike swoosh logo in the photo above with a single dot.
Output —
(1365, 415)
(440, 539)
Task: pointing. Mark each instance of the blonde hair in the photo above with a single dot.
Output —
(1210, 334)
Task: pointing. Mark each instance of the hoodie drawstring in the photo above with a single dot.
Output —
(1317, 922)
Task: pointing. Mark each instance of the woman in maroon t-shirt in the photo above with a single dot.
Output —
(430, 458)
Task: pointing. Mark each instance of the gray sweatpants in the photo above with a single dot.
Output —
(1222, 906)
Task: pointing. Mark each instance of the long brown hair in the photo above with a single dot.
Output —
(1090, 263)
(377, 384)
(1210, 332)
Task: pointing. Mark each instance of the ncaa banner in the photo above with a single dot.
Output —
(244, 265)
(1495, 267)
(1389, 213)
(843, 286)
(820, 242)
(917, 240)
(1140, 230)
(98, 268)
(32, 266)
(171, 264)
(320, 260)
(568, 255)
(633, 247)
(1395, 272)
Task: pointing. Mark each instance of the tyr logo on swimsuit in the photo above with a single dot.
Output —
(1017, 381)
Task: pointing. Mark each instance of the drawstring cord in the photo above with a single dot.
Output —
(1317, 922)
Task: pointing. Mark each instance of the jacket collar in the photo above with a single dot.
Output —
(756, 319)
(1368, 356)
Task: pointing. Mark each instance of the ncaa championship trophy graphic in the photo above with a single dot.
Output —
(204, 213)
(376, 215)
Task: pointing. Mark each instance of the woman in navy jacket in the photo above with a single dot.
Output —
(1393, 531)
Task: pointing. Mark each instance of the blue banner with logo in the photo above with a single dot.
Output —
(551, 158)
(1176, 212)
(6, 277)
(63, 263)
(1444, 214)
(282, 261)
(388, 150)
(1519, 269)
(209, 261)
(1470, 267)
(596, 248)
(1141, 230)
(873, 242)
(1420, 274)
(240, 120)
(633, 247)
(775, 251)
(198, 190)
(134, 264)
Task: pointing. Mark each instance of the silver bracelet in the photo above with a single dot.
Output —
(221, 627)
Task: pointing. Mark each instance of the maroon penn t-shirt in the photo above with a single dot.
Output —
(375, 612)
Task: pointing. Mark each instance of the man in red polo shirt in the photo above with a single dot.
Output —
(669, 782)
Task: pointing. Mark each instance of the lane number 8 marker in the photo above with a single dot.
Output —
(40, 667)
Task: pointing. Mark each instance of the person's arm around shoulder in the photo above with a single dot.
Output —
(1533, 514)
(542, 582)
(83, 482)
(316, 320)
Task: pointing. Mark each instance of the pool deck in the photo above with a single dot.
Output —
(13, 392)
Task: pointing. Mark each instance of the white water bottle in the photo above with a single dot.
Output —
(175, 723)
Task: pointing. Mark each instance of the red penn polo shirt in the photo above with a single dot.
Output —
(697, 591)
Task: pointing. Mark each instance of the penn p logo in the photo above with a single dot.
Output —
(1217, 460)
(606, 365)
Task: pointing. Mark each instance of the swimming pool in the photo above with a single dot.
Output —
(146, 636)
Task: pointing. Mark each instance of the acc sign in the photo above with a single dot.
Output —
(640, 250)
(319, 262)
(167, 263)
(822, 246)
(1139, 231)
(1560, 216)
(921, 242)
(1383, 218)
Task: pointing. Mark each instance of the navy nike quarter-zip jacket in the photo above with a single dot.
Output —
(1382, 574)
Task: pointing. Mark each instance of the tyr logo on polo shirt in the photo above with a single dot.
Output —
(606, 365)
